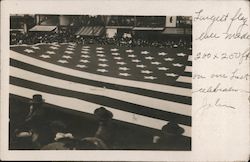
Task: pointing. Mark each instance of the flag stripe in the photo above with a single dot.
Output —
(190, 58)
(118, 81)
(185, 79)
(188, 69)
(154, 103)
(105, 101)
(143, 92)
(76, 104)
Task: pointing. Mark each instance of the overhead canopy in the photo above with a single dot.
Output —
(119, 27)
(90, 31)
(43, 28)
(173, 31)
(148, 28)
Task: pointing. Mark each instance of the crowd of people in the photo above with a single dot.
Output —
(36, 132)
(67, 35)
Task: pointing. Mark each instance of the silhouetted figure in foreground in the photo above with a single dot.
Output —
(35, 129)
(104, 131)
(92, 143)
(171, 138)
(62, 139)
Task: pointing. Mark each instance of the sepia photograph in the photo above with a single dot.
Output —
(124, 81)
(100, 82)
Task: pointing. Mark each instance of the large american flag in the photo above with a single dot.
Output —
(145, 86)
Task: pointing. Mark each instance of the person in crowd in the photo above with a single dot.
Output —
(171, 138)
(61, 138)
(31, 133)
(104, 131)
(92, 143)
(36, 121)
(23, 140)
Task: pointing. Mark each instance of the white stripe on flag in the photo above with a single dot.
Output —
(190, 58)
(184, 79)
(154, 103)
(87, 107)
(188, 69)
(106, 79)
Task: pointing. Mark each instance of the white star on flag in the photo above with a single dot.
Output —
(129, 50)
(53, 47)
(168, 59)
(66, 56)
(124, 74)
(85, 47)
(68, 52)
(35, 47)
(99, 52)
(72, 44)
(171, 74)
(190, 48)
(101, 55)
(123, 68)
(102, 59)
(50, 52)
(56, 45)
(150, 77)
(135, 60)
(162, 68)
(177, 65)
(102, 70)
(28, 51)
(70, 49)
(155, 63)
(85, 56)
(63, 61)
(181, 54)
(84, 61)
(141, 66)
(99, 48)
(146, 72)
(113, 49)
(81, 66)
(149, 58)
(121, 63)
(117, 58)
(85, 52)
(45, 56)
(162, 53)
(115, 54)
(132, 55)
(103, 65)
(144, 52)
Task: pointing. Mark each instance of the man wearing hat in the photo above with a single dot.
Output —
(36, 111)
(104, 131)
(36, 120)
(171, 138)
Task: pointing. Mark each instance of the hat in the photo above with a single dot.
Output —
(103, 114)
(37, 98)
(172, 128)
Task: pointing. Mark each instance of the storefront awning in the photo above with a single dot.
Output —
(173, 31)
(148, 28)
(90, 31)
(41, 28)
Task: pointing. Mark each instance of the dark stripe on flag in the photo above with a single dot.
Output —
(105, 101)
(140, 91)
(188, 74)
(189, 63)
